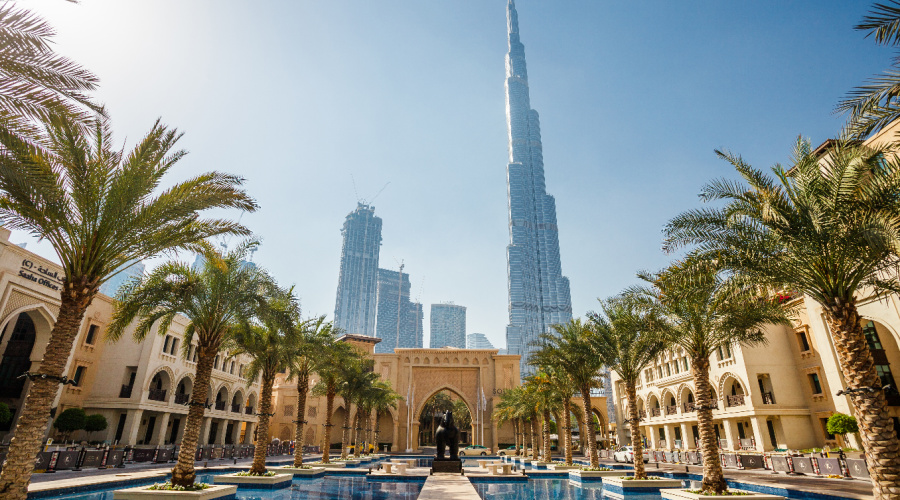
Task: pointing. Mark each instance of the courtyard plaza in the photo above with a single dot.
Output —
(477, 482)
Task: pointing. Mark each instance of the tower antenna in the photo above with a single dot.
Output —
(379, 192)
(355, 192)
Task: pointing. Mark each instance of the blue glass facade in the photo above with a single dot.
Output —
(399, 323)
(354, 309)
(538, 292)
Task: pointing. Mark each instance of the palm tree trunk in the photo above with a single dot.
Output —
(534, 444)
(876, 429)
(326, 436)
(515, 423)
(637, 443)
(591, 437)
(567, 422)
(354, 432)
(546, 436)
(375, 431)
(302, 390)
(183, 473)
(32, 423)
(262, 429)
(713, 477)
(345, 436)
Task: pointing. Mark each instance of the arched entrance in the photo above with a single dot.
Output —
(433, 410)
(17, 356)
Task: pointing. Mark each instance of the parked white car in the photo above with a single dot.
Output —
(626, 454)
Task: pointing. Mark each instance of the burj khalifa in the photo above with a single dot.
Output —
(539, 294)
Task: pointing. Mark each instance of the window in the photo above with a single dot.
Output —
(91, 335)
(884, 373)
(685, 364)
(216, 362)
(872, 336)
(659, 371)
(288, 410)
(231, 370)
(174, 347)
(803, 340)
(79, 375)
(668, 370)
(814, 383)
(825, 428)
(166, 344)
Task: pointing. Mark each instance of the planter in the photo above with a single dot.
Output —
(617, 484)
(596, 475)
(563, 467)
(350, 462)
(215, 492)
(537, 464)
(680, 494)
(330, 465)
(298, 472)
(271, 482)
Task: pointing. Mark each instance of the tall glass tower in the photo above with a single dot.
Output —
(354, 309)
(538, 292)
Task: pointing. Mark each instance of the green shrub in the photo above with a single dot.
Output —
(70, 420)
(5, 413)
(95, 423)
(842, 424)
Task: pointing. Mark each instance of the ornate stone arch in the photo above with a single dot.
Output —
(442, 387)
(720, 386)
(650, 396)
(679, 394)
(664, 396)
(168, 371)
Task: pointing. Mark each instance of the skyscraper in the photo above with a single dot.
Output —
(354, 309)
(448, 326)
(538, 292)
(111, 287)
(478, 341)
(393, 296)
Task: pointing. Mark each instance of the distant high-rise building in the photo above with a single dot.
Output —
(111, 287)
(393, 295)
(538, 292)
(354, 309)
(448, 326)
(478, 341)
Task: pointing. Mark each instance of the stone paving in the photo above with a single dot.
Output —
(457, 486)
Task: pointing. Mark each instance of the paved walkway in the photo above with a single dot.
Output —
(446, 486)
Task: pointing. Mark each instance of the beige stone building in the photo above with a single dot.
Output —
(140, 387)
(776, 396)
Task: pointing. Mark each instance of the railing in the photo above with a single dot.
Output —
(688, 407)
(642, 413)
(157, 394)
(671, 410)
(736, 400)
(654, 412)
(768, 398)
(236, 408)
(220, 405)
(125, 391)
(181, 399)
(249, 410)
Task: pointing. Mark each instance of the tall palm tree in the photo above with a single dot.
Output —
(826, 228)
(362, 379)
(215, 298)
(571, 350)
(355, 376)
(36, 84)
(504, 411)
(328, 366)
(705, 311)
(625, 340)
(269, 340)
(548, 399)
(875, 105)
(99, 210)
(313, 334)
(386, 399)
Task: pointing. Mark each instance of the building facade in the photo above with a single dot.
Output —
(775, 396)
(140, 387)
(538, 292)
(399, 321)
(478, 341)
(448, 326)
(354, 310)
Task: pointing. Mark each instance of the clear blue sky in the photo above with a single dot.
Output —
(634, 96)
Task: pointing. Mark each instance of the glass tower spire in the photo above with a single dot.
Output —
(538, 292)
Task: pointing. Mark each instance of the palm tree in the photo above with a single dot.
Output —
(705, 311)
(545, 393)
(355, 376)
(36, 84)
(625, 341)
(98, 209)
(875, 105)
(328, 366)
(313, 334)
(825, 228)
(215, 298)
(385, 400)
(504, 411)
(269, 340)
(572, 351)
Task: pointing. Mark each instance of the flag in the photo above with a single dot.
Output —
(483, 400)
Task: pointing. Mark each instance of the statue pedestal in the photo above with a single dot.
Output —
(446, 465)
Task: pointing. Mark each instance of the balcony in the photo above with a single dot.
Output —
(642, 414)
(687, 407)
(157, 394)
(248, 410)
(182, 399)
(768, 398)
(654, 412)
(736, 400)
(236, 408)
(125, 391)
(220, 405)
(671, 410)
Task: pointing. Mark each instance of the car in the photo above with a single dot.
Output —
(475, 449)
(511, 451)
(626, 454)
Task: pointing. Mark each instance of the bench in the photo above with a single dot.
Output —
(401, 468)
(387, 467)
